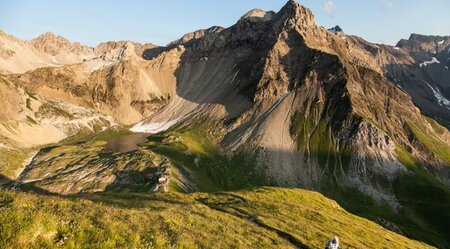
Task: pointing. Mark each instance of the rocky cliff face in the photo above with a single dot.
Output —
(418, 66)
(27, 120)
(425, 43)
(52, 44)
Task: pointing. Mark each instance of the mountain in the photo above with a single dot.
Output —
(50, 50)
(19, 56)
(418, 66)
(273, 100)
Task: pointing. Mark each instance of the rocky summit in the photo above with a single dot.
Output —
(272, 133)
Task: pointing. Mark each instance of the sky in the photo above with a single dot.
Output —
(93, 21)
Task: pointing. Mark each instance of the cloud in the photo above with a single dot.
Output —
(386, 5)
(329, 7)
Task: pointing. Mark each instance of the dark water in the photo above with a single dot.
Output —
(126, 143)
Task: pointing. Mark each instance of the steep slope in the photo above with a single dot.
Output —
(419, 66)
(28, 121)
(117, 83)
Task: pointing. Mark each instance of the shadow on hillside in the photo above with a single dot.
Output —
(152, 53)
(204, 77)
(10, 184)
(415, 82)
(131, 180)
(420, 198)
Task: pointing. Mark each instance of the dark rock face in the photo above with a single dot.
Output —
(336, 30)
(420, 67)
(427, 77)
(424, 43)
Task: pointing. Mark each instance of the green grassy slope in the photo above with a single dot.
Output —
(423, 199)
(256, 218)
(196, 157)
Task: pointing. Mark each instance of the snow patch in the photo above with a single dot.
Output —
(426, 63)
(441, 42)
(396, 48)
(204, 59)
(153, 128)
(442, 101)
(234, 77)
(48, 64)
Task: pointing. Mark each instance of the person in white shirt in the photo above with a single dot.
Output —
(333, 243)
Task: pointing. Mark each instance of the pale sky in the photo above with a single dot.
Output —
(93, 21)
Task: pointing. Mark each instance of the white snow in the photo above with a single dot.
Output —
(396, 48)
(426, 63)
(234, 77)
(48, 64)
(442, 101)
(441, 42)
(204, 59)
(153, 128)
(446, 67)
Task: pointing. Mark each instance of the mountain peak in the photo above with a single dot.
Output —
(196, 35)
(48, 35)
(297, 13)
(258, 15)
(54, 44)
(336, 30)
(425, 43)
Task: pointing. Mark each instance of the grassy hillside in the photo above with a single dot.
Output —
(256, 218)
(198, 164)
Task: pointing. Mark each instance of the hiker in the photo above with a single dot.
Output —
(333, 243)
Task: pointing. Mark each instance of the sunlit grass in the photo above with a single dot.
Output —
(174, 220)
